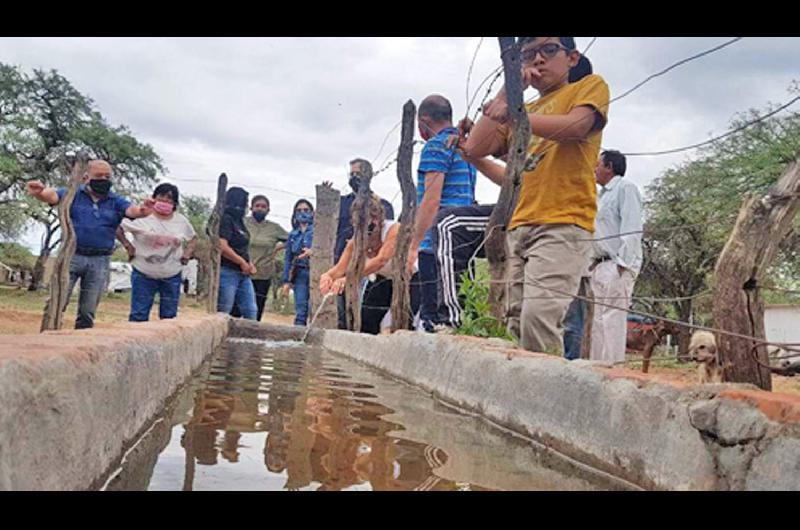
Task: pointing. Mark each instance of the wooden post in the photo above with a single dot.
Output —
(588, 317)
(738, 307)
(496, 248)
(401, 299)
(215, 251)
(53, 317)
(326, 221)
(355, 268)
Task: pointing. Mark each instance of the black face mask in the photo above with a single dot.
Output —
(100, 186)
(355, 182)
(259, 216)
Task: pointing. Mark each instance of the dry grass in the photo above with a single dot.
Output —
(21, 310)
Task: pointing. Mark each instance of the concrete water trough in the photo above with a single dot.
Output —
(73, 402)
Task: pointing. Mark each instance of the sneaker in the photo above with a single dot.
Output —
(443, 329)
(428, 327)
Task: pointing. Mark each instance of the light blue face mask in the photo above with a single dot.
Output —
(304, 217)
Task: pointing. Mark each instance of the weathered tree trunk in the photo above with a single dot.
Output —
(586, 342)
(684, 333)
(401, 299)
(326, 217)
(213, 263)
(38, 270)
(53, 317)
(356, 266)
(761, 226)
(496, 248)
(51, 227)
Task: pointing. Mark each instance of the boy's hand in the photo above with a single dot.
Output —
(530, 77)
(497, 109)
(306, 253)
(131, 250)
(285, 289)
(35, 188)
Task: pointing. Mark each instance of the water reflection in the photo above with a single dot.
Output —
(324, 431)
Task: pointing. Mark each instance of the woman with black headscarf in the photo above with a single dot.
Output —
(296, 264)
(235, 285)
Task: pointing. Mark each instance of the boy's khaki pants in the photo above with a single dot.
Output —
(544, 271)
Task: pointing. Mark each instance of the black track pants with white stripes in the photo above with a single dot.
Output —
(457, 237)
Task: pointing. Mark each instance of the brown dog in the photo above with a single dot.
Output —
(703, 349)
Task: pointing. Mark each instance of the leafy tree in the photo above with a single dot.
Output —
(691, 209)
(44, 121)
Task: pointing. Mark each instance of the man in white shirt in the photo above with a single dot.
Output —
(617, 256)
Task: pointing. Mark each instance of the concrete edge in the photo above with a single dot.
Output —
(633, 426)
(71, 401)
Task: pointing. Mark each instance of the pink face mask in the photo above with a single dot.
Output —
(163, 208)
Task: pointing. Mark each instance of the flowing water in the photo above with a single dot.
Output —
(288, 416)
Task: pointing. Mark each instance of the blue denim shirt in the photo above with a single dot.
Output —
(96, 222)
(294, 247)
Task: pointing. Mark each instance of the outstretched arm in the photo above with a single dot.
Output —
(39, 191)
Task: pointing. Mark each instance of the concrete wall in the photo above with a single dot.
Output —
(71, 401)
(653, 433)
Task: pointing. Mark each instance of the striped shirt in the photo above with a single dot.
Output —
(459, 176)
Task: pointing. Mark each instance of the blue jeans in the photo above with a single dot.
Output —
(429, 287)
(143, 294)
(301, 296)
(573, 329)
(93, 273)
(236, 288)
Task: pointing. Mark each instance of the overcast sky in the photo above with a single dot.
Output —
(286, 113)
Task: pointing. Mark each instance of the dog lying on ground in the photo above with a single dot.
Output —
(703, 350)
(788, 362)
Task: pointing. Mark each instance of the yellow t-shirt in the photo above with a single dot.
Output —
(561, 188)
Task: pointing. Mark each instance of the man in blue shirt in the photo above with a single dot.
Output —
(444, 179)
(95, 213)
(345, 230)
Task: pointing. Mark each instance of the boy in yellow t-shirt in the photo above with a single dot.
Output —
(550, 232)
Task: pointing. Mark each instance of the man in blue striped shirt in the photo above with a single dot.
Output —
(444, 179)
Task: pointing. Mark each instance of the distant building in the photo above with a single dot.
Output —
(782, 323)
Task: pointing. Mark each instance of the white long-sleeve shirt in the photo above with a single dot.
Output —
(619, 211)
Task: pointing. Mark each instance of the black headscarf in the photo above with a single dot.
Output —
(236, 203)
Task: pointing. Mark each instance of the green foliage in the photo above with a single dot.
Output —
(17, 256)
(476, 319)
(44, 122)
(703, 197)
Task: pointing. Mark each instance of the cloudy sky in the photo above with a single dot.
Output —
(280, 115)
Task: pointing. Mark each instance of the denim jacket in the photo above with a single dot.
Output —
(294, 247)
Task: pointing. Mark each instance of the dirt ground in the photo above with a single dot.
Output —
(21, 313)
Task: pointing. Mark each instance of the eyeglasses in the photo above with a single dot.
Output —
(548, 51)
